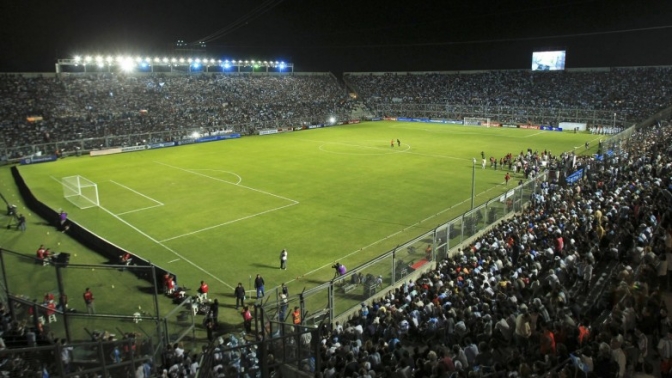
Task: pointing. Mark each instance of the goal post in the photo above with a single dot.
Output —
(80, 192)
(476, 121)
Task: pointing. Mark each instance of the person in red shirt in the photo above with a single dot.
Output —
(168, 283)
(51, 308)
(203, 292)
(247, 319)
(507, 178)
(40, 252)
(48, 297)
(88, 300)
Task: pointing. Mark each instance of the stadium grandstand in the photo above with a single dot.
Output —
(558, 288)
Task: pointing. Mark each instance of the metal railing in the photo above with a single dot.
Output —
(344, 293)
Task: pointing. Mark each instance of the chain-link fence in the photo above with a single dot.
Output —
(119, 356)
(346, 291)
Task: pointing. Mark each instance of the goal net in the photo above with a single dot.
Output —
(81, 192)
(475, 121)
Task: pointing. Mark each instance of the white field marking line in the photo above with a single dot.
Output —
(136, 192)
(293, 202)
(161, 244)
(227, 223)
(166, 247)
(406, 151)
(240, 179)
(172, 261)
(531, 135)
(140, 209)
(388, 236)
(228, 182)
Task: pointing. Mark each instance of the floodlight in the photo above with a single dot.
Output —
(165, 60)
(156, 59)
(332, 120)
(226, 65)
(88, 59)
(99, 58)
(148, 59)
(196, 135)
(190, 60)
(108, 59)
(181, 60)
(127, 65)
(77, 58)
(101, 64)
(173, 60)
(212, 61)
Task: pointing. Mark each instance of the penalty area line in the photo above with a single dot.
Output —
(167, 248)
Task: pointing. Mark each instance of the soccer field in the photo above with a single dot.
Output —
(222, 211)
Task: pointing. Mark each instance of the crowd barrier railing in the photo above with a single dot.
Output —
(344, 293)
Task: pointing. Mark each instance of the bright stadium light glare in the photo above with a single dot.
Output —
(196, 135)
(77, 58)
(165, 60)
(332, 120)
(127, 65)
(190, 60)
(181, 60)
(101, 64)
(226, 65)
(148, 59)
(99, 58)
(173, 60)
(108, 59)
(88, 59)
(119, 59)
(212, 61)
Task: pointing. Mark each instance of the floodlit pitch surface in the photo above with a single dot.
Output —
(222, 211)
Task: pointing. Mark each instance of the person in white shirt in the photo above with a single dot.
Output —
(618, 356)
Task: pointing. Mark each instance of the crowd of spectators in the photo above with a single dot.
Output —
(513, 303)
(635, 93)
(76, 107)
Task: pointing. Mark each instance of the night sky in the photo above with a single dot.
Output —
(337, 36)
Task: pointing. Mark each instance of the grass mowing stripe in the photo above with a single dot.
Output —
(167, 248)
(227, 182)
(141, 209)
(227, 223)
(136, 192)
(159, 243)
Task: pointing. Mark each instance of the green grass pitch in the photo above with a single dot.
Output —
(222, 211)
